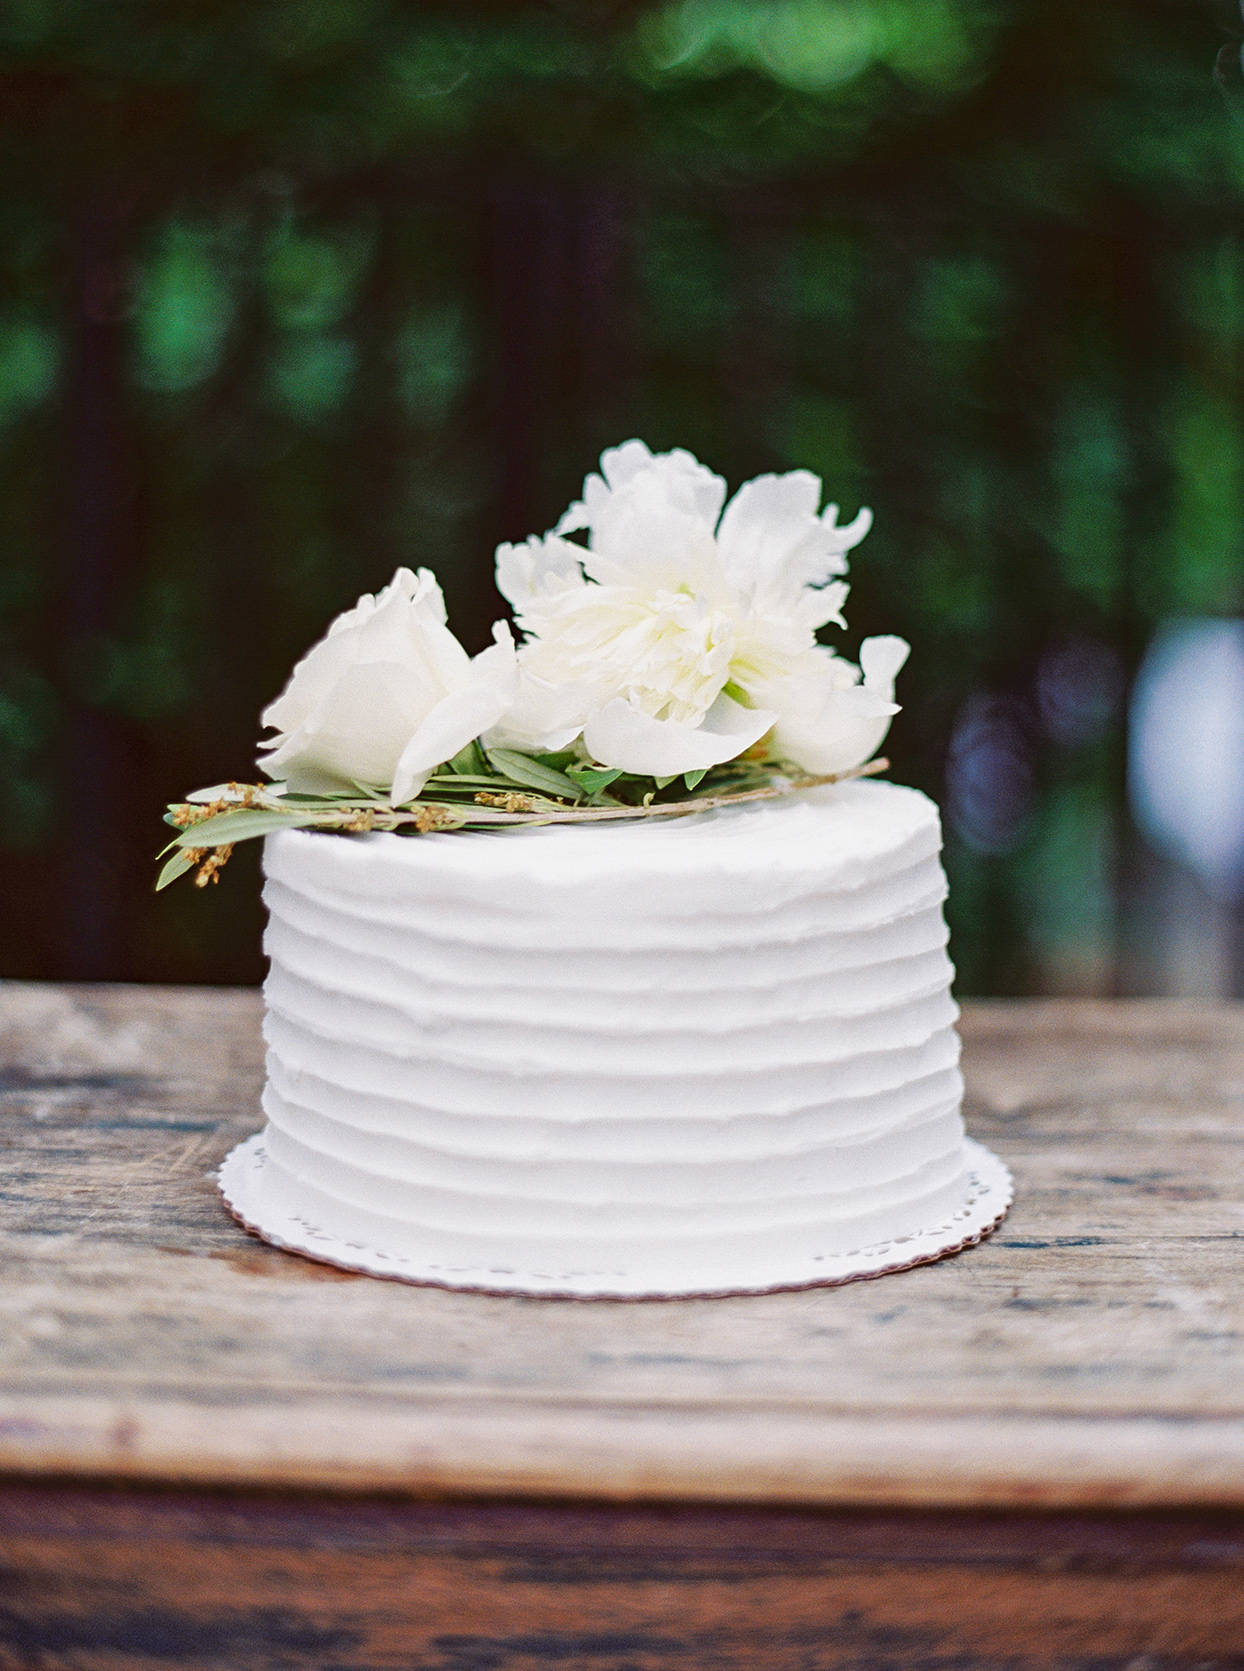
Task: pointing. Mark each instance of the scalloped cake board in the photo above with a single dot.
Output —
(986, 1199)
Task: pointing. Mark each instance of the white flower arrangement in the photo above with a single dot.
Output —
(674, 643)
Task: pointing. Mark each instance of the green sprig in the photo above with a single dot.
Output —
(520, 789)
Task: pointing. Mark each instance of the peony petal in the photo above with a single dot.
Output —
(373, 629)
(411, 629)
(644, 513)
(862, 703)
(413, 586)
(312, 676)
(701, 489)
(618, 466)
(426, 592)
(622, 735)
(404, 584)
(849, 535)
(388, 671)
(825, 726)
(681, 476)
(404, 588)
(647, 536)
(821, 605)
(881, 661)
(543, 716)
(772, 541)
(538, 565)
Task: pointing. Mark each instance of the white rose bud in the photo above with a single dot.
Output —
(386, 696)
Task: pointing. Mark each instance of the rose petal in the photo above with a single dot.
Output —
(354, 701)
(354, 735)
(375, 628)
(459, 717)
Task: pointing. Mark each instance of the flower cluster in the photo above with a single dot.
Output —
(661, 635)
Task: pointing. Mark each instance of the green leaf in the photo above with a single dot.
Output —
(214, 792)
(594, 778)
(693, 780)
(243, 824)
(452, 789)
(631, 789)
(736, 774)
(530, 774)
(467, 761)
(298, 798)
(664, 782)
(180, 862)
(464, 780)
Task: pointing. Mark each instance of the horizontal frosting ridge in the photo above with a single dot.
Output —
(831, 1166)
(660, 1137)
(523, 1047)
(563, 1089)
(434, 1206)
(674, 1052)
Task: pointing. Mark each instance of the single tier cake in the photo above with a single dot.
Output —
(703, 1054)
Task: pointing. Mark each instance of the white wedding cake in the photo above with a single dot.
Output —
(693, 1055)
(596, 967)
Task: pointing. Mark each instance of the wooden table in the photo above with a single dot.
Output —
(215, 1455)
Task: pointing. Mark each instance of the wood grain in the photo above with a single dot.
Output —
(155, 1581)
(1090, 1355)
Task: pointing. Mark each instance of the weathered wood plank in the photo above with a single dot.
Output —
(1092, 1353)
(152, 1581)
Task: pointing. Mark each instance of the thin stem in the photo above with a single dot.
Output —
(552, 813)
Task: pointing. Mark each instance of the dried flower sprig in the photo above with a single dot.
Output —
(211, 822)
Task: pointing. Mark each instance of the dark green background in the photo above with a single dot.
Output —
(296, 290)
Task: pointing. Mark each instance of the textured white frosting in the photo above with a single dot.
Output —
(658, 1057)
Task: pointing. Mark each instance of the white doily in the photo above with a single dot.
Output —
(987, 1196)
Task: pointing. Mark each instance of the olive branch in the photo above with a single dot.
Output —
(478, 790)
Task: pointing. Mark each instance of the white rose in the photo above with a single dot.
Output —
(386, 696)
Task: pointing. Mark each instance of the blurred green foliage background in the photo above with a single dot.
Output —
(292, 291)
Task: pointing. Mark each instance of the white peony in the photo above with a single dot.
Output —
(386, 696)
(683, 633)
